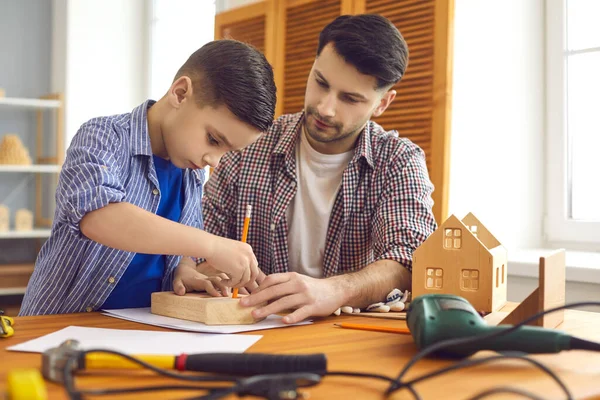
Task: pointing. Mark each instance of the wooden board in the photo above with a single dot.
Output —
(549, 294)
(200, 307)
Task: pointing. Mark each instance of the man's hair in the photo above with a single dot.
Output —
(234, 74)
(371, 43)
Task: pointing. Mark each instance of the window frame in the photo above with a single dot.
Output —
(559, 227)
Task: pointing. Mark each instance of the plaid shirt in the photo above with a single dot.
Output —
(383, 209)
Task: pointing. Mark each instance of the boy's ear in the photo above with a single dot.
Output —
(180, 90)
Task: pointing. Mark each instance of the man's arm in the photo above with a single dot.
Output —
(372, 284)
(220, 197)
(402, 221)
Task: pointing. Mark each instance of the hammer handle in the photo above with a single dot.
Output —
(252, 364)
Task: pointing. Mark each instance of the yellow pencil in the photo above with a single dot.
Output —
(375, 328)
(244, 237)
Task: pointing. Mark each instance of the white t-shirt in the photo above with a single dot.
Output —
(319, 179)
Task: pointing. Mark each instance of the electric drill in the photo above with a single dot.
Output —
(432, 318)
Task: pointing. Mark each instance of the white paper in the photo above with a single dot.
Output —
(141, 342)
(144, 316)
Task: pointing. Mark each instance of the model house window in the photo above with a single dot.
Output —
(469, 279)
(435, 278)
(573, 84)
(452, 238)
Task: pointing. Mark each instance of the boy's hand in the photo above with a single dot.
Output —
(210, 271)
(188, 279)
(236, 259)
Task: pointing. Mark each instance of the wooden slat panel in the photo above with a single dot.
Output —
(410, 113)
(303, 25)
(416, 106)
(250, 31)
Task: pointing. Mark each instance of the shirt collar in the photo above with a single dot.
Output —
(140, 135)
(287, 143)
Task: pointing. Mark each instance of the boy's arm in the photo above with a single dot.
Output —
(91, 203)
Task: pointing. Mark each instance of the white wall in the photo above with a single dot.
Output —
(498, 117)
(104, 49)
(224, 5)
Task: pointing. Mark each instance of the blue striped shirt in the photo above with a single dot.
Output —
(109, 160)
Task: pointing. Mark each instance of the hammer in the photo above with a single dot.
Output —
(55, 360)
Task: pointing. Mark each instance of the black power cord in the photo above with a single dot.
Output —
(575, 344)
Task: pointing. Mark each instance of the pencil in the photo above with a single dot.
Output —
(244, 237)
(374, 328)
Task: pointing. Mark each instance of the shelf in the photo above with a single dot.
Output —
(14, 278)
(43, 168)
(12, 291)
(36, 233)
(29, 103)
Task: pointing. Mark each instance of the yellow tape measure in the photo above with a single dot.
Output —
(26, 384)
(6, 326)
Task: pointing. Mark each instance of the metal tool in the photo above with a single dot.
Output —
(55, 360)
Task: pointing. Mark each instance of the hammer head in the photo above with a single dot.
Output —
(54, 361)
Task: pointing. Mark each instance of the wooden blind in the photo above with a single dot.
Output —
(304, 22)
(420, 111)
(410, 113)
(250, 31)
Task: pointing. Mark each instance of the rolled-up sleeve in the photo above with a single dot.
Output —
(404, 216)
(91, 176)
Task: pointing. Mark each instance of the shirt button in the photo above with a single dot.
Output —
(104, 167)
(272, 227)
(155, 191)
(89, 309)
(111, 280)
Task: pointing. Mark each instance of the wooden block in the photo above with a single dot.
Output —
(2, 93)
(23, 220)
(200, 307)
(4, 218)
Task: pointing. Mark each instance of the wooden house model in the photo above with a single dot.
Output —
(462, 258)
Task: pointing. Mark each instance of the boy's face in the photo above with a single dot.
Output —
(339, 101)
(196, 137)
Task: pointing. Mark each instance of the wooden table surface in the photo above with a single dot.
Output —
(346, 350)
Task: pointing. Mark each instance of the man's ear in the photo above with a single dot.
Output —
(180, 90)
(386, 100)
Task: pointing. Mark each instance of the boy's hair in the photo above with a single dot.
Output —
(234, 74)
(371, 43)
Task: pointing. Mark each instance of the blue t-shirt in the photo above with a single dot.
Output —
(144, 274)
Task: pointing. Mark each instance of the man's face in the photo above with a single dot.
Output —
(196, 137)
(339, 101)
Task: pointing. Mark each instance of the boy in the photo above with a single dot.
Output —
(128, 202)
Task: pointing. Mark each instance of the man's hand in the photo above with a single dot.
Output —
(188, 279)
(307, 296)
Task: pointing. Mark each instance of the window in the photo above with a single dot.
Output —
(435, 278)
(469, 279)
(573, 121)
(452, 238)
(178, 28)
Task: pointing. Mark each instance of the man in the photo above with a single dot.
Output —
(339, 205)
